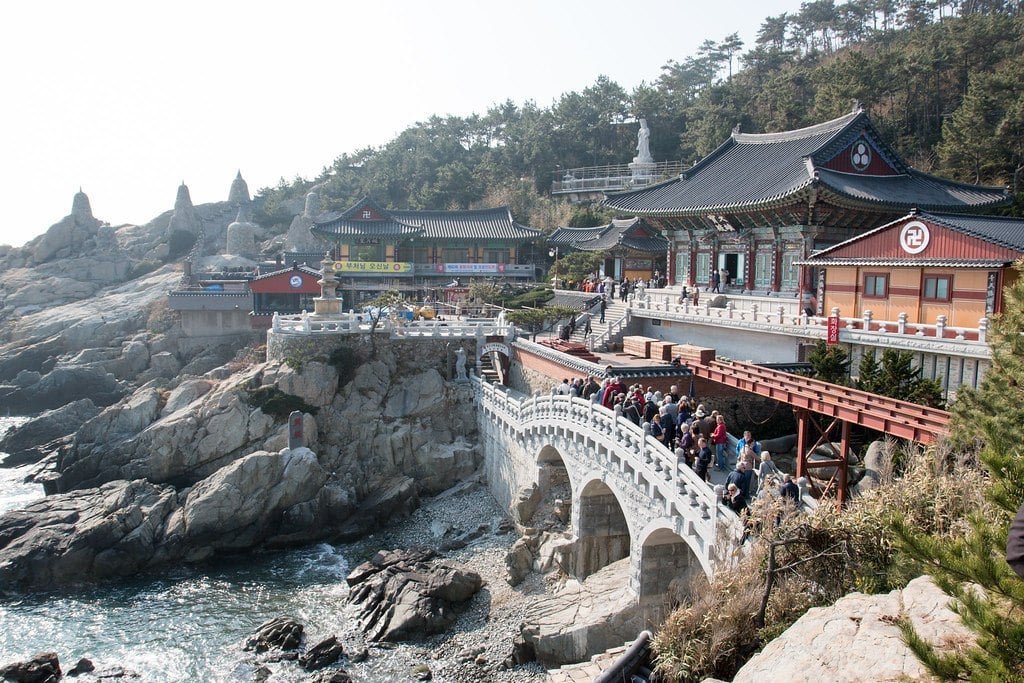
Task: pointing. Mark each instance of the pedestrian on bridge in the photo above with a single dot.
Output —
(720, 437)
(703, 460)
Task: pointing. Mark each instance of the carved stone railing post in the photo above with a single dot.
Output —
(868, 315)
(940, 327)
(901, 323)
(782, 315)
(983, 329)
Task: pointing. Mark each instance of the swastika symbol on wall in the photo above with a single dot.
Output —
(914, 237)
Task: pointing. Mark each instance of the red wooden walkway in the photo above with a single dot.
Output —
(844, 406)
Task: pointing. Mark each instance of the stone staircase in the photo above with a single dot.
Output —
(488, 371)
(615, 312)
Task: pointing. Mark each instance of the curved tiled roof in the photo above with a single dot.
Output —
(889, 262)
(999, 230)
(495, 224)
(302, 268)
(606, 237)
(750, 172)
(1005, 232)
(339, 226)
(913, 189)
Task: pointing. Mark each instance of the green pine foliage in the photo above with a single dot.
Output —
(535, 320)
(992, 415)
(939, 79)
(830, 363)
(896, 376)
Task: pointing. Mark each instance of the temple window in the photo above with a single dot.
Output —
(876, 285)
(937, 287)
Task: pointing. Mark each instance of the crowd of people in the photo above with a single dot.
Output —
(610, 287)
(698, 435)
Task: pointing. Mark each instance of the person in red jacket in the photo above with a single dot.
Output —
(613, 389)
(720, 437)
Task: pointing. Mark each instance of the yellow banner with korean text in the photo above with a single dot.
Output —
(374, 267)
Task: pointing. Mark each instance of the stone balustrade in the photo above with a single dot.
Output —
(784, 319)
(655, 488)
(354, 323)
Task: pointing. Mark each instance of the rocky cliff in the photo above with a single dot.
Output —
(157, 448)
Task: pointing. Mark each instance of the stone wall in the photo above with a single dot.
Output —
(439, 353)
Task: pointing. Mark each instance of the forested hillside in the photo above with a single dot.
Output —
(942, 80)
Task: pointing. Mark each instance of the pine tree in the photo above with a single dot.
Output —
(869, 374)
(830, 363)
(994, 413)
(896, 376)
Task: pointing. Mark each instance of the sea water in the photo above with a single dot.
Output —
(182, 624)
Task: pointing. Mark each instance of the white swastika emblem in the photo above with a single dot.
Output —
(914, 237)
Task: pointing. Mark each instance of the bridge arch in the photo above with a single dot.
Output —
(666, 559)
(601, 528)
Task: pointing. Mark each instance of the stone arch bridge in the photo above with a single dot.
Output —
(630, 496)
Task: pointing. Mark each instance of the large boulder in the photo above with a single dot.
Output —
(584, 618)
(43, 668)
(182, 447)
(83, 536)
(27, 442)
(122, 527)
(63, 385)
(859, 639)
(402, 595)
(244, 503)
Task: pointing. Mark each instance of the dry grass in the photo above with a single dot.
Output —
(820, 557)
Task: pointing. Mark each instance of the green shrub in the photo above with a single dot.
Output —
(273, 401)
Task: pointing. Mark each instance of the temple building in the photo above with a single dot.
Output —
(761, 203)
(631, 248)
(929, 268)
(419, 251)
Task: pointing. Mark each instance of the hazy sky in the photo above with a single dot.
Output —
(127, 99)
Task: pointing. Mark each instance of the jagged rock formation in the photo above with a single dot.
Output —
(177, 459)
(402, 595)
(72, 234)
(299, 237)
(123, 527)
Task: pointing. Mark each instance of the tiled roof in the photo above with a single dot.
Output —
(890, 262)
(566, 237)
(336, 225)
(1006, 232)
(911, 190)
(492, 224)
(495, 224)
(750, 172)
(304, 269)
(998, 230)
(606, 237)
